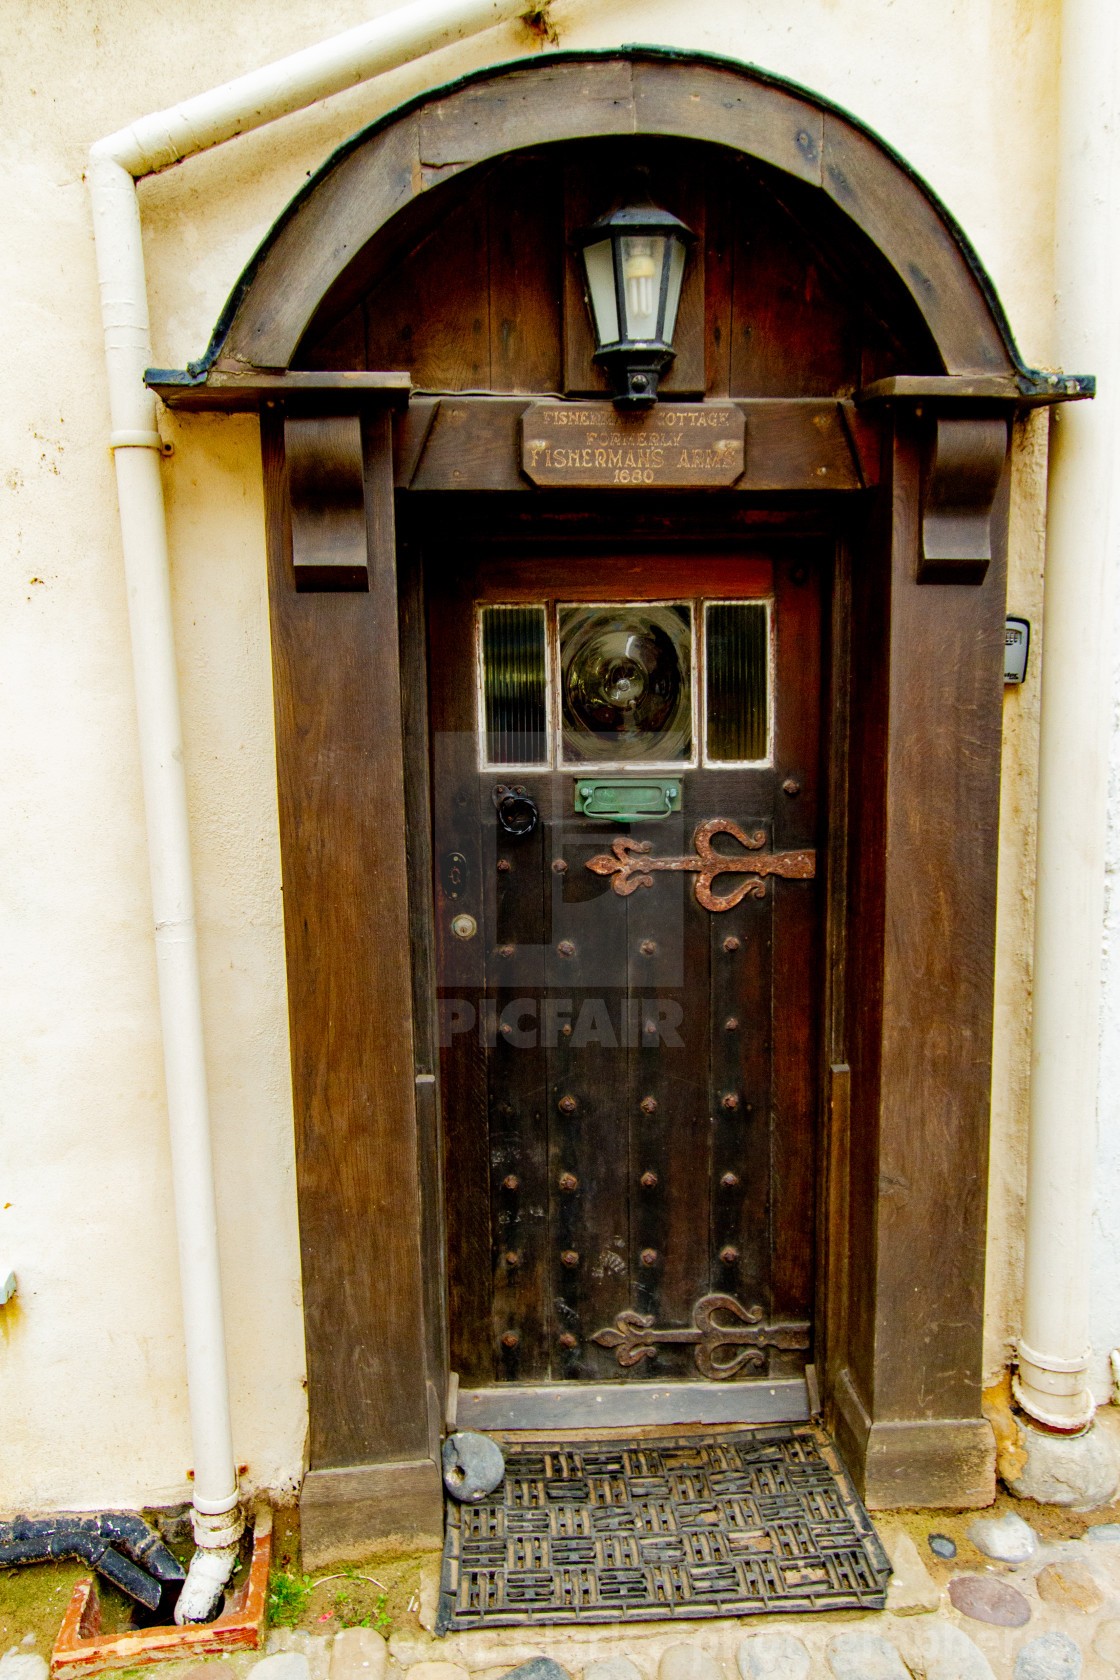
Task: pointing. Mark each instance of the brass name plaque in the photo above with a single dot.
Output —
(674, 445)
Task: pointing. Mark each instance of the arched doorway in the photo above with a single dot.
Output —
(413, 304)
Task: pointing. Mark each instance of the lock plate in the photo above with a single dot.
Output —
(628, 799)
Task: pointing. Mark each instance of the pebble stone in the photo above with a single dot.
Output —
(688, 1662)
(1106, 1642)
(773, 1656)
(1070, 1586)
(949, 1654)
(473, 1466)
(1007, 1538)
(612, 1668)
(1107, 1534)
(989, 1601)
(358, 1654)
(285, 1665)
(864, 1656)
(941, 1546)
(1052, 1656)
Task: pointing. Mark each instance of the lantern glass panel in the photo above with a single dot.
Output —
(677, 255)
(643, 257)
(599, 267)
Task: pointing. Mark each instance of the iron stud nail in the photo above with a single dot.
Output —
(510, 1339)
(647, 947)
(513, 1259)
(729, 1255)
(503, 866)
(567, 1340)
(649, 1257)
(566, 1029)
(649, 1181)
(569, 1181)
(731, 1100)
(567, 1105)
(729, 1180)
(791, 786)
(559, 866)
(732, 1023)
(731, 943)
(505, 1029)
(505, 950)
(649, 1105)
(569, 1257)
(566, 948)
(510, 1182)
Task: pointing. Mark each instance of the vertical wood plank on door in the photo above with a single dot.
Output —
(341, 796)
(431, 314)
(796, 919)
(461, 969)
(525, 207)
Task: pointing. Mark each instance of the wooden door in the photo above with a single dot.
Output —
(627, 1018)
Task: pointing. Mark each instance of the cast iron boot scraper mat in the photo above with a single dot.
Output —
(743, 1522)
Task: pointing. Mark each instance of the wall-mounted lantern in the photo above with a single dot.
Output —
(633, 260)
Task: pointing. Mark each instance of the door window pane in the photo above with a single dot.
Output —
(737, 681)
(626, 683)
(514, 684)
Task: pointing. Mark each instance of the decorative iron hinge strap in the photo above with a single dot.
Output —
(636, 1339)
(632, 867)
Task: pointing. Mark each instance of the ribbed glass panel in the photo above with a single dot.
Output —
(738, 670)
(513, 685)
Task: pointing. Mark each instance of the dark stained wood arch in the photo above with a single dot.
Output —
(570, 96)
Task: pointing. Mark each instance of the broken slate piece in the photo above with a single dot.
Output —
(989, 1601)
(1052, 1656)
(473, 1466)
(538, 1668)
(864, 1656)
(1007, 1538)
(941, 1546)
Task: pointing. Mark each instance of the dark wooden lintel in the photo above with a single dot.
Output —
(472, 443)
(245, 393)
(1041, 390)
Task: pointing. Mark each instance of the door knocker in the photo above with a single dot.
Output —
(517, 812)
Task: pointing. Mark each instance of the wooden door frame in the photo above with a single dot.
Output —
(919, 465)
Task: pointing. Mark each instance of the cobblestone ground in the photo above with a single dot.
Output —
(1064, 1598)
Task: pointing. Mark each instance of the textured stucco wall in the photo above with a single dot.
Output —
(91, 1374)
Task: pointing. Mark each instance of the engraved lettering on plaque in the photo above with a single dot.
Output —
(674, 445)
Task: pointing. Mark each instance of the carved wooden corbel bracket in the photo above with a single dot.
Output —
(959, 490)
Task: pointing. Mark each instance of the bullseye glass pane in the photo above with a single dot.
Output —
(514, 685)
(737, 673)
(626, 683)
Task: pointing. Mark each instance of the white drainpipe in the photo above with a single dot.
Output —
(145, 147)
(1073, 766)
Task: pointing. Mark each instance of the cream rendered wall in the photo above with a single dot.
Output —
(91, 1371)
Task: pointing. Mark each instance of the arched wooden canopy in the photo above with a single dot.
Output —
(414, 150)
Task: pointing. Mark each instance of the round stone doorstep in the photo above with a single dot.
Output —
(1052, 1656)
(473, 1466)
(990, 1601)
(772, 1656)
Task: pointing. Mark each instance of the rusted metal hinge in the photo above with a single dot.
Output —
(632, 867)
(635, 1338)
